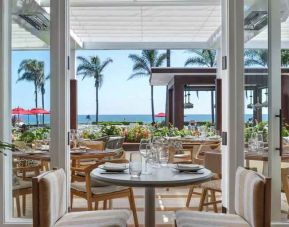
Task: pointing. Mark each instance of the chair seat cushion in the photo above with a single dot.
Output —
(81, 186)
(213, 184)
(21, 184)
(208, 219)
(106, 218)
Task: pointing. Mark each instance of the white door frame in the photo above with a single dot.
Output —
(232, 95)
(59, 101)
(274, 76)
(60, 86)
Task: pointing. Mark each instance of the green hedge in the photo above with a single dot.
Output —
(117, 123)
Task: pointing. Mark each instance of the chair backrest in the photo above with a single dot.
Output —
(285, 182)
(114, 143)
(213, 162)
(49, 198)
(253, 197)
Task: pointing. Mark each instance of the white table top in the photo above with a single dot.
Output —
(160, 177)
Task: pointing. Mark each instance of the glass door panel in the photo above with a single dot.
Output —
(256, 85)
(30, 117)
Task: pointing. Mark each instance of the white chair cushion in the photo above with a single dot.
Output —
(208, 219)
(21, 184)
(81, 186)
(106, 218)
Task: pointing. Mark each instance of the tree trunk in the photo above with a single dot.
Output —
(36, 102)
(42, 99)
(152, 104)
(96, 102)
(212, 107)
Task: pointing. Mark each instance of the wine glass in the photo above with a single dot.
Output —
(145, 149)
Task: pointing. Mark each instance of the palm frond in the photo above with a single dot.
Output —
(104, 64)
(138, 75)
(161, 59)
(195, 61)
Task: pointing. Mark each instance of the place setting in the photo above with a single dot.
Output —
(113, 168)
(188, 168)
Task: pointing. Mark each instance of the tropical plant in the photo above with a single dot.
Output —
(93, 67)
(201, 57)
(111, 130)
(256, 57)
(33, 71)
(34, 134)
(6, 146)
(206, 58)
(285, 58)
(143, 64)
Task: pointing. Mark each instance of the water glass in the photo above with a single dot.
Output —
(164, 155)
(260, 142)
(135, 164)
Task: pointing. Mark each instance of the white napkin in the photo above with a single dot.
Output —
(111, 165)
(188, 166)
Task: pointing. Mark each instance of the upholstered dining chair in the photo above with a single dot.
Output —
(213, 162)
(95, 191)
(252, 205)
(21, 188)
(50, 209)
(285, 184)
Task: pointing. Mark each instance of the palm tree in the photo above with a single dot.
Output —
(207, 58)
(142, 68)
(42, 91)
(202, 58)
(93, 67)
(256, 57)
(32, 71)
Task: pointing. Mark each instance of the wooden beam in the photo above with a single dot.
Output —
(73, 104)
(178, 106)
(219, 105)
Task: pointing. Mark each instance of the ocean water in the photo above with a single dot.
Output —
(82, 119)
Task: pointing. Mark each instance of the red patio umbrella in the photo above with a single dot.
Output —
(20, 111)
(160, 115)
(39, 111)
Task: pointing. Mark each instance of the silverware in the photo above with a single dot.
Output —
(113, 173)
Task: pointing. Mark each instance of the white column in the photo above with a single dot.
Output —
(5, 111)
(232, 94)
(274, 37)
(72, 56)
(59, 40)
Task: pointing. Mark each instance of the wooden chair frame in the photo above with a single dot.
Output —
(90, 197)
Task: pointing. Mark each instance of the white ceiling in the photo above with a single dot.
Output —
(139, 24)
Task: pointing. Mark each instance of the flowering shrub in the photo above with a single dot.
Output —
(111, 130)
(136, 133)
(90, 134)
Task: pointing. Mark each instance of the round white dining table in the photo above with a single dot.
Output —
(160, 177)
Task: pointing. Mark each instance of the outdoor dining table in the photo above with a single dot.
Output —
(160, 177)
(75, 157)
(262, 156)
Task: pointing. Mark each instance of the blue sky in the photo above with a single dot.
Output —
(117, 95)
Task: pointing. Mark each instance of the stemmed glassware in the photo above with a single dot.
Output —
(145, 151)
